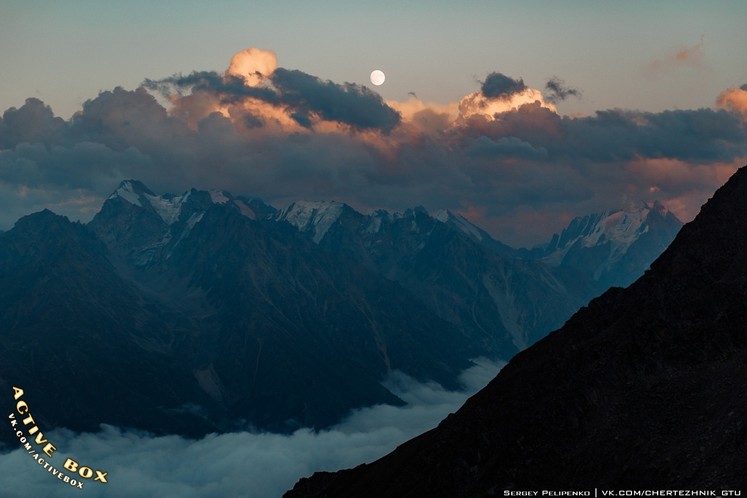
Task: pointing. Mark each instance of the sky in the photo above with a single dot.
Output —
(519, 115)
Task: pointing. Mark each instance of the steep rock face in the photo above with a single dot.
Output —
(644, 388)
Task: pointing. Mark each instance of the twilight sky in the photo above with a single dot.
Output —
(519, 115)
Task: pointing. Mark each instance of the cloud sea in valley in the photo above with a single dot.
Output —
(247, 464)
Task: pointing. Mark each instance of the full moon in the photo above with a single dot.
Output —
(377, 77)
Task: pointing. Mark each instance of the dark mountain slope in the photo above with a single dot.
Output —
(644, 388)
(187, 315)
(289, 318)
(84, 343)
(284, 334)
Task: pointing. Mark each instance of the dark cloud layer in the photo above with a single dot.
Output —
(33, 122)
(500, 86)
(229, 87)
(303, 94)
(557, 91)
(521, 173)
(349, 103)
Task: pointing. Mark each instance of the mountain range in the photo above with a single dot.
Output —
(221, 313)
(643, 389)
(506, 298)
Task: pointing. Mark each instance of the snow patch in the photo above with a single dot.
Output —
(193, 220)
(622, 228)
(218, 197)
(316, 217)
(168, 208)
(460, 222)
(441, 215)
(245, 209)
(374, 226)
(127, 192)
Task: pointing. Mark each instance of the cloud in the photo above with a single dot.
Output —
(253, 65)
(33, 122)
(558, 91)
(426, 117)
(228, 88)
(500, 86)
(254, 79)
(504, 146)
(287, 135)
(69, 180)
(239, 464)
(734, 100)
(351, 104)
(691, 57)
(499, 94)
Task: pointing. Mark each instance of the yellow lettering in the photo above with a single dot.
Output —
(30, 420)
(49, 449)
(71, 465)
(85, 472)
(18, 392)
(40, 438)
(22, 407)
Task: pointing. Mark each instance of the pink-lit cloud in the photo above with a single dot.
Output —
(253, 65)
(692, 57)
(734, 99)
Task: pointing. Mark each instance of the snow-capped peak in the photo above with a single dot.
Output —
(618, 228)
(621, 228)
(460, 222)
(169, 206)
(130, 191)
(312, 216)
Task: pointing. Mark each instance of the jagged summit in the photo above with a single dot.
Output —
(131, 190)
(40, 217)
(614, 247)
(170, 207)
(459, 221)
(316, 217)
(621, 228)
